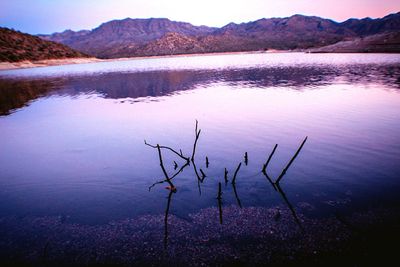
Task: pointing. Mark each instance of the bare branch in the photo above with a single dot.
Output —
(163, 168)
(166, 219)
(270, 180)
(171, 149)
(291, 161)
(236, 195)
(172, 177)
(156, 183)
(219, 198)
(237, 170)
(197, 134)
(203, 175)
(269, 159)
(290, 206)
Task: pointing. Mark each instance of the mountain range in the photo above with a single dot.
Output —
(161, 36)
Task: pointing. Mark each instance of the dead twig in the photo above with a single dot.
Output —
(168, 148)
(290, 206)
(166, 219)
(236, 172)
(269, 180)
(264, 169)
(172, 177)
(291, 161)
(203, 175)
(197, 134)
(199, 179)
(163, 169)
(236, 195)
(219, 198)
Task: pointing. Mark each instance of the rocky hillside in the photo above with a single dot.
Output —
(170, 44)
(140, 37)
(377, 43)
(16, 46)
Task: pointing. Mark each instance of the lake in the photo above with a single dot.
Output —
(72, 137)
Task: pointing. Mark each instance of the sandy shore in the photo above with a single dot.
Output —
(45, 63)
(67, 61)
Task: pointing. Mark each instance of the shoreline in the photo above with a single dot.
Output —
(71, 61)
(46, 63)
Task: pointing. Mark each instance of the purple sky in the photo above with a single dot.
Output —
(47, 16)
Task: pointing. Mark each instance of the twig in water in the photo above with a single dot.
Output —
(269, 180)
(172, 187)
(166, 219)
(199, 179)
(246, 158)
(236, 195)
(236, 172)
(226, 176)
(197, 134)
(199, 186)
(175, 165)
(203, 175)
(196, 172)
(207, 162)
(172, 177)
(156, 183)
(292, 210)
(264, 170)
(167, 147)
(219, 198)
(291, 161)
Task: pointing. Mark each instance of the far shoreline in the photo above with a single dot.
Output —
(71, 61)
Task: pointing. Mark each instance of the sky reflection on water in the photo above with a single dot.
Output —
(73, 144)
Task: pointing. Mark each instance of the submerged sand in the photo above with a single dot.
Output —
(252, 236)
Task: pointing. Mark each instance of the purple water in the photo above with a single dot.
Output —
(72, 137)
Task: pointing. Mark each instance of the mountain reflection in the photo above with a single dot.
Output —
(17, 93)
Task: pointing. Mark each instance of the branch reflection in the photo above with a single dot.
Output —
(200, 179)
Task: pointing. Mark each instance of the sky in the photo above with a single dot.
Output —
(48, 16)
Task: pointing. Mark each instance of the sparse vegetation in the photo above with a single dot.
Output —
(16, 46)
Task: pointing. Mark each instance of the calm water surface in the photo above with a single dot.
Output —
(72, 137)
